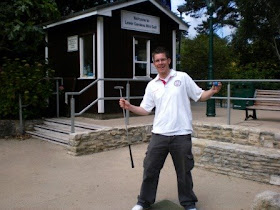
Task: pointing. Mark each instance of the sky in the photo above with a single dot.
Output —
(194, 21)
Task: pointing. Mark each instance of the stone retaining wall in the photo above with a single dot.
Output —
(249, 162)
(231, 150)
(237, 135)
(107, 139)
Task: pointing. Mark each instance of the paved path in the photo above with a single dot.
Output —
(40, 175)
(268, 120)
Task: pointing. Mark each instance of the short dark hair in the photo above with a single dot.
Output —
(159, 50)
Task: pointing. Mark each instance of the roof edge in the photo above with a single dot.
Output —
(106, 10)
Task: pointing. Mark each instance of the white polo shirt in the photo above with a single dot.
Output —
(172, 102)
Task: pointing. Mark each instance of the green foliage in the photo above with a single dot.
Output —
(226, 13)
(29, 80)
(256, 60)
(255, 21)
(260, 23)
(194, 57)
(263, 69)
(257, 70)
(22, 37)
(254, 50)
(21, 26)
(70, 6)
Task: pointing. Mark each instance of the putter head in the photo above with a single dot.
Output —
(118, 87)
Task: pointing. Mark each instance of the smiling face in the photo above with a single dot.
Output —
(161, 62)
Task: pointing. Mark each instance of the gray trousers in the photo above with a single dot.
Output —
(180, 148)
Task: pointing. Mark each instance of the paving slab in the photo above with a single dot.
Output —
(36, 174)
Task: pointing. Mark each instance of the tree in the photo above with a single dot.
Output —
(257, 40)
(254, 19)
(71, 6)
(255, 60)
(19, 77)
(20, 25)
(260, 22)
(226, 13)
(21, 47)
(194, 57)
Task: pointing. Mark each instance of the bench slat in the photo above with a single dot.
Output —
(267, 96)
(272, 108)
(261, 90)
(268, 91)
(269, 103)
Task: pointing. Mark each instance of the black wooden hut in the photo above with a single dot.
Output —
(110, 41)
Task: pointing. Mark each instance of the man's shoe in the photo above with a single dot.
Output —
(137, 207)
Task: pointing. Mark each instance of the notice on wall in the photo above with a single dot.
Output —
(72, 43)
(140, 22)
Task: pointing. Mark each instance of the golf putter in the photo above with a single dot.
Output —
(129, 143)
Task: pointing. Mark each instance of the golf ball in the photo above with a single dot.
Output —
(215, 83)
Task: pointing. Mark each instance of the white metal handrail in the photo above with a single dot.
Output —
(228, 98)
(128, 97)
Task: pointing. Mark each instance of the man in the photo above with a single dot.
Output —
(169, 93)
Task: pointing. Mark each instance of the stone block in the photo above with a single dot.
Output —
(268, 200)
(275, 180)
(277, 137)
(197, 151)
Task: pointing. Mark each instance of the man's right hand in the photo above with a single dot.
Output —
(124, 103)
(136, 109)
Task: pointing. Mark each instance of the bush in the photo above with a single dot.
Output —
(265, 69)
(31, 81)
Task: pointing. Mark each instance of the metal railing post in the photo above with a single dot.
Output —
(72, 114)
(20, 115)
(128, 99)
(128, 96)
(57, 98)
(228, 103)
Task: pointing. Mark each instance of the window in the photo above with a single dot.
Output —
(87, 56)
(141, 55)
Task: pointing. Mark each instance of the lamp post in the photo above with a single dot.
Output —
(180, 9)
(210, 111)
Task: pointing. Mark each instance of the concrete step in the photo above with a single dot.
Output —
(67, 121)
(53, 133)
(57, 130)
(47, 137)
(249, 162)
(60, 127)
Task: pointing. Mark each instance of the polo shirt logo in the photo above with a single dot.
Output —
(177, 83)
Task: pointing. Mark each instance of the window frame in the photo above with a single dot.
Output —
(147, 62)
(81, 57)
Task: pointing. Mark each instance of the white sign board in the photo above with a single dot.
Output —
(72, 43)
(140, 22)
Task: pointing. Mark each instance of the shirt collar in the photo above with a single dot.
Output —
(172, 73)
